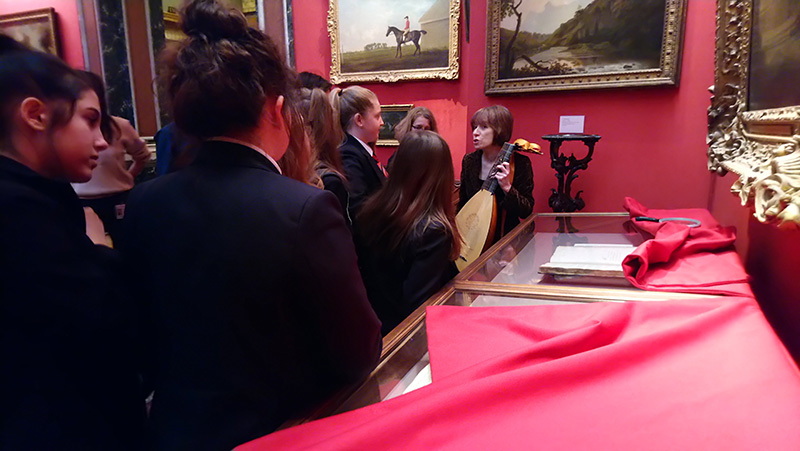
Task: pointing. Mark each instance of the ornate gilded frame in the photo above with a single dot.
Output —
(39, 24)
(762, 147)
(391, 115)
(448, 72)
(668, 72)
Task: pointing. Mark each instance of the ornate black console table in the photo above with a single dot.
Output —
(561, 201)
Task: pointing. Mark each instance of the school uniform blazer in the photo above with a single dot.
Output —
(253, 304)
(364, 177)
(67, 345)
(517, 203)
(397, 283)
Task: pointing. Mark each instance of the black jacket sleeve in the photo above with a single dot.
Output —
(336, 301)
(518, 201)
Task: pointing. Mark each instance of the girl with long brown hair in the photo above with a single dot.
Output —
(325, 135)
(406, 233)
(418, 118)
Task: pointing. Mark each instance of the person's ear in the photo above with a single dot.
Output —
(358, 119)
(34, 113)
(275, 113)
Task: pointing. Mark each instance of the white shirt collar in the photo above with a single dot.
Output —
(369, 149)
(242, 143)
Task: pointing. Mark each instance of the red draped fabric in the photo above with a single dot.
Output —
(689, 374)
(676, 257)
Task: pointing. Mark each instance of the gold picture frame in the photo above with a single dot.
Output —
(391, 115)
(37, 29)
(365, 40)
(541, 54)
(761, 146)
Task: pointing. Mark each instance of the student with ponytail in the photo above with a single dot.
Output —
(406, 232)
(359, 114)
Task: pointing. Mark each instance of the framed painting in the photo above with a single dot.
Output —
(391, 115)
(754, 118)
(36, 29)
(391, 40)
(542, 45)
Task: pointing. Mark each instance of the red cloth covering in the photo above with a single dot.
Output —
(689, 374)
(676, 257)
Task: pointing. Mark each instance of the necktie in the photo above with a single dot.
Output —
(380, 166)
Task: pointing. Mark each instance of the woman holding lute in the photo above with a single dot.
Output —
(512, 194)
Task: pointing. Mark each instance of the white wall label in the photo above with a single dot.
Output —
(571, 124)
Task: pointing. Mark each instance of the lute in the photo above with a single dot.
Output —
(477, 220)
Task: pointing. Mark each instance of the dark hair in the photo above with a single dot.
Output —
(324, 132)
(499, 119)
(27, 73)
(311, 80)
(420, 191)
(108, 127)
(220, 77)
(9, 44)
(406, 125)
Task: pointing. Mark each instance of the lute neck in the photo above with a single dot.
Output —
(490, 184)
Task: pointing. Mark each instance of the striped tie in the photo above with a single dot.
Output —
(380, 166)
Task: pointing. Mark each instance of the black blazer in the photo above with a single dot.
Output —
(66, 334)
(517, 204)
(398, 283)
(252, 296)
(364, 177)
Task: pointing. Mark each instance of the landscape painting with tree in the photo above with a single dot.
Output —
(567, 44)
(383, 40)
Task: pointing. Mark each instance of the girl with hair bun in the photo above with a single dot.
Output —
(406, 232)
(359, 114)
(253, 306)
(67, 355)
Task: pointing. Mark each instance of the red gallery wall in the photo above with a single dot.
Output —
(653, 139)
(652, 148)
(68, 24)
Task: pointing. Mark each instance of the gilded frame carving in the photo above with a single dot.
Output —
(36, 28)
(391, 115)
(446, 70)
(763, 146)
(667, 72)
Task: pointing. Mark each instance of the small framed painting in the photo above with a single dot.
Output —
(36, 29)
(392, 115)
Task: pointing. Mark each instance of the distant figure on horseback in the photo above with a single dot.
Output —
(406, 35)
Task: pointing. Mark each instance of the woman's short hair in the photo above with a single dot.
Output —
(26, 73)
(499, 119)
(350, 101)
(406, 125)
(220, 77)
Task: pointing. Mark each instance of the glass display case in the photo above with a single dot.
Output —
(508, 273)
